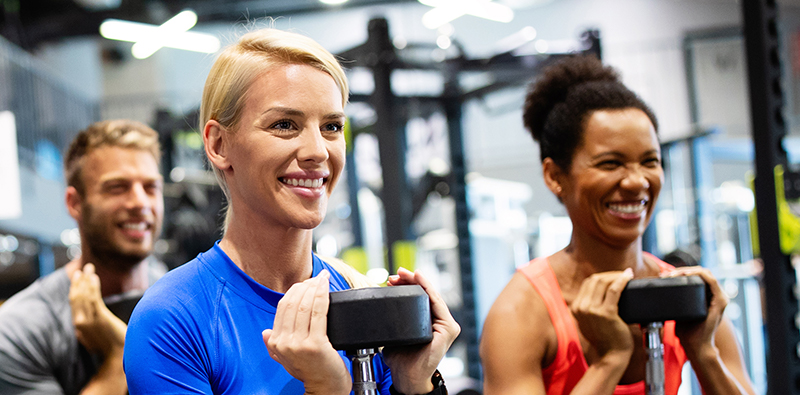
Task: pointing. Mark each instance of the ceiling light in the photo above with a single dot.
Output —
(516, 40)
(333, 1)
(445, 11)
(150, 38)
(98, 5)
(443, 42)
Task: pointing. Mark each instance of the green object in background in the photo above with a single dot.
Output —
(788, 221)
(751, 180)
(404, 253)
(357, 258)
(348, 137)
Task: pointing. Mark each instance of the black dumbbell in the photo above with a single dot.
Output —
(650, 302)
(362, 320)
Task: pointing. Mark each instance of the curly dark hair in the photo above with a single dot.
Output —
(559, 103)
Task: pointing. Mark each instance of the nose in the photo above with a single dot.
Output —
(313, 147)
(635, 180)
(138, 198)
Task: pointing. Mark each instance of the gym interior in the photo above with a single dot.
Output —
(441, 175)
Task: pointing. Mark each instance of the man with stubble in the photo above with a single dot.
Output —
(58, 336)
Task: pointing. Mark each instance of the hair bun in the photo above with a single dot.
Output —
(555, 82)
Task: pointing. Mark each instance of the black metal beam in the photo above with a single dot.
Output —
(768, 126)
(396, 196)
(453, 102)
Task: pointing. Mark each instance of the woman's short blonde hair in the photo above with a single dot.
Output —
(240, 64)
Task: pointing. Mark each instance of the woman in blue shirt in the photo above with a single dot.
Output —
(272, 119)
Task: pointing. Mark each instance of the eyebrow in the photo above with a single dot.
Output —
(617, 153)
(295, 112)
(113, 180)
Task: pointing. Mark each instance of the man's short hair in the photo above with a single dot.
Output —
(113, 133)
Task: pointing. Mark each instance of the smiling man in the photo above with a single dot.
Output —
(58, 336)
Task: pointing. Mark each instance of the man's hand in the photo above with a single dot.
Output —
(96, 327)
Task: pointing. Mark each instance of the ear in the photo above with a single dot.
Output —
(214, 142)
(74, 200)
(553, 177)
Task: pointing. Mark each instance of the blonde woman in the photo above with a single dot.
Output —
(272, 117)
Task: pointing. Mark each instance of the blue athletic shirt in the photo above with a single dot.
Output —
(198, 330)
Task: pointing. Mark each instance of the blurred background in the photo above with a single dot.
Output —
(441, 175)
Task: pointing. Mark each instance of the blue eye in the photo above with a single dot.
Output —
(282, 124)
(334, 127)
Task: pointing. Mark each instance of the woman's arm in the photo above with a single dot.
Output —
(516, 336)
(711, 345)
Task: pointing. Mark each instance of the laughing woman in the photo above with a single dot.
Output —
(272, 117)
(555, 328)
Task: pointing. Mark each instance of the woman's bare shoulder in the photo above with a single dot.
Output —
(519, 313)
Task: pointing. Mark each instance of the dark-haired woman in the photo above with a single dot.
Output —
(555, 328)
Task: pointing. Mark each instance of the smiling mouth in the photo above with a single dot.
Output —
(303, 182)
(628, 208)
(137, 226)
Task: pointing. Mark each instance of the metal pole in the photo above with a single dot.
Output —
(395, 195)
(452, 103)
(768, 127)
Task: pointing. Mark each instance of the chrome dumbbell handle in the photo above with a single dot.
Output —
(363, 376)
(654, 368)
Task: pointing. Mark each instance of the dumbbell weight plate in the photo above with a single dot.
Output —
(646, 300)
(379, 317)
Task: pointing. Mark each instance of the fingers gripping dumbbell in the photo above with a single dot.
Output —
(651, 301)
(362, 320)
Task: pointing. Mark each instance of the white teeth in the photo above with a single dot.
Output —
(304, 182)
(628, 208)
(135, 226)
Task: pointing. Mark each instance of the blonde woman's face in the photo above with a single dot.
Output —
(289, 150)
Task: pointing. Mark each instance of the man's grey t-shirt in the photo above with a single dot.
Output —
(39, 353)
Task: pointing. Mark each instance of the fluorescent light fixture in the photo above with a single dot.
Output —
(516, 40)
(150, 38)
(445, 11)
(333, 1)
(440, 16)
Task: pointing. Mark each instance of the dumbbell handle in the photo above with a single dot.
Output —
(654, 367)
(363, 374)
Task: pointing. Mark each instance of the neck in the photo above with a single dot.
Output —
(587, 255)
(274, 256)
(113, 280)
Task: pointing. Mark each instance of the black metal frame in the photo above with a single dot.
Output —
(400, 202)
(768, 126)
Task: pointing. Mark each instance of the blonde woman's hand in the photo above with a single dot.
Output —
(412, 367)
(299, 341)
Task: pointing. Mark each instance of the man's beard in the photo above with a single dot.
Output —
(101, 245)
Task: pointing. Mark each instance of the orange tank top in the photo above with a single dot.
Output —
(570, 364)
